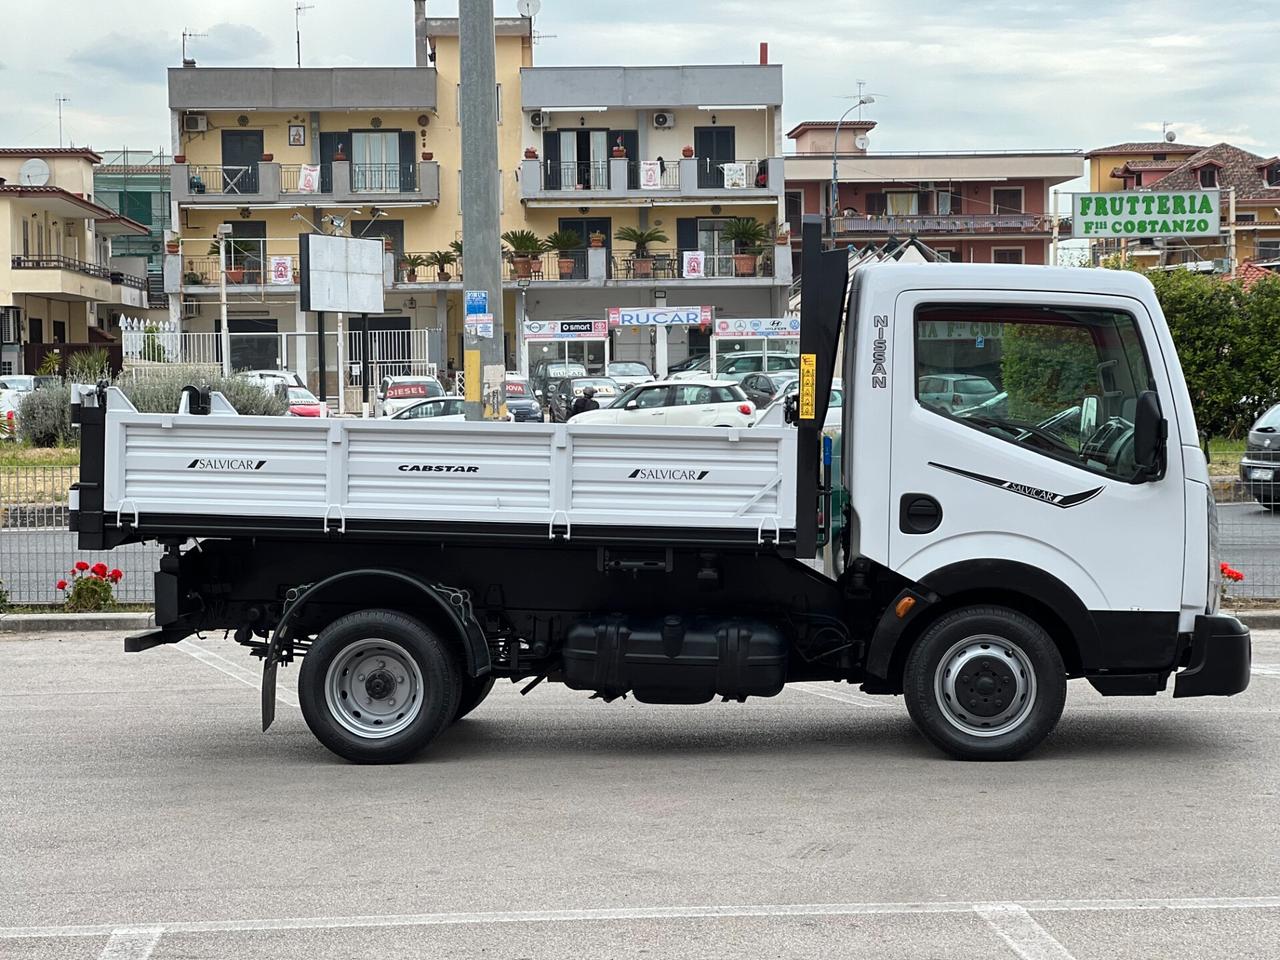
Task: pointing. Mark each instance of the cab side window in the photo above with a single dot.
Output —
(1061, 381)
(652, 397)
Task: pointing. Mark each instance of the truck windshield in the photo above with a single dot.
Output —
(1063, 382)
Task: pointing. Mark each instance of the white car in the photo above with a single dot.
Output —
(434, 408)
(270, 379)
(396, 393)
(773, 415)
(734, 365)
(678, 403)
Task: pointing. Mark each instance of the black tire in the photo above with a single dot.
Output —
(996, 652)
(436, 687)
(474, 691)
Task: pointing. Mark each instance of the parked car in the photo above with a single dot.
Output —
(954, 391)
(688, 363)
(396, 393)
(521, 403)
(547, 374)
(774, 415)
(1260, 466)
(628, 373)
(23, 382)
(435, 408)
(270, 379)
(570, 388)
(763, 388)
(304, 403)
(678, 403)
(734, 366)
(12, 389)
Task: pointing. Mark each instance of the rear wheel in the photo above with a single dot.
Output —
(985, 683)
(377, 686)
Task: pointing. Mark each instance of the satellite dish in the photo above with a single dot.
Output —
(33, 173)
(862, 141)
(1170, 136)
(528, 8)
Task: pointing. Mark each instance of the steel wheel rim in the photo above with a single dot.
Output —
(373, 688)
(985, 685)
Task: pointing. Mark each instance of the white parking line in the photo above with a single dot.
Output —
(644, 913)
(1266, 669)
(1019, 930)
(131, 943)
(840, 696)
(233, 670)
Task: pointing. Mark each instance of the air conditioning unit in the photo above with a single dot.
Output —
(539, 119)
(194, 123)
(663, 120)
(10, 324)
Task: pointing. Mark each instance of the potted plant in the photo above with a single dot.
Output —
(411, 262)
(748, 236)
(455, 247)
(565, 242)
(523, 247)
(595, 238)
(340, 155)
(530, 153)
(238, 251)
(173, 245)
(268, 157)
(619, 149)
(641, 262)
(388, 245)
(428, 155)
(687, 152)
(191, 278)
(442, 260)
(179, 158)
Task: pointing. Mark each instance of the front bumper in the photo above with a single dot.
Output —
(1221, 655)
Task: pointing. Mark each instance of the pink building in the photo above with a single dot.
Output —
(979, 207)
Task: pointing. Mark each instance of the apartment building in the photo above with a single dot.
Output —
(977, 207)
(376, 152)
(135, 183)
(1249, 184)
(60, 288)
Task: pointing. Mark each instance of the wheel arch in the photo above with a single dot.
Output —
(1029, 590)
(441, 608)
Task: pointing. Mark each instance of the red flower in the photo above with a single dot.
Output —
(81, 566)
(99, 570)
(1228, 573)
(62, 585)
(115, 576)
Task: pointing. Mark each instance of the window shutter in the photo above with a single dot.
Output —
(686, 233)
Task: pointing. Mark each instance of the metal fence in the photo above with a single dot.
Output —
(37, 549)
(1249, 539)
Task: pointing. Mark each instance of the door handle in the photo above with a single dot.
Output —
(919, 513)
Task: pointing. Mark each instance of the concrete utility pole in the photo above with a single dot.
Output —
(484, 360)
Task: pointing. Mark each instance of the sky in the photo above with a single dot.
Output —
(947, 74)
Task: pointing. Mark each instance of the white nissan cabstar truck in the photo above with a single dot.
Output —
(1028, 504)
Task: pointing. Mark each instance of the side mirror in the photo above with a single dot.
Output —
(1088, 418)
(1150, 431)
(632, 405)
(537, 393)
(791, 408)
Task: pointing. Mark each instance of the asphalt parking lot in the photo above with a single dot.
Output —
(143, 814)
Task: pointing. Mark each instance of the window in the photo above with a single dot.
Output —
(1006, 200)
(1062, 382)
(1208, 176)
(1159, 156)
(1268, 250)
(876, 205)
(695, 394)
(1273, 175)
(902, 204)
(1246, 217)
(647, 398)
(948, 256)
(1006, 255)
(59, 331)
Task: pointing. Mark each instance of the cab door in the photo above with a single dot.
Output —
(1043, 473)
(648, 407)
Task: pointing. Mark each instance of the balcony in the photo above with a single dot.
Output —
(61, 278)
(994, 223)
(339, 183)
(243, 270)
(572, 183)
(669, 265)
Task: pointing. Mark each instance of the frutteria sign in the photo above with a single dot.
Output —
(1146, 213)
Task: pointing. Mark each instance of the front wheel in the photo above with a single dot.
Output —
(377, 686)
(985, 683)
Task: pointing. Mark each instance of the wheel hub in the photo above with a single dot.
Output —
(374, 688)
(985, 685)
(380, 684)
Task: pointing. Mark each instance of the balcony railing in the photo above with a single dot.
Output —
(128, 280)
(575, 174)
(384, 177)
(291, 176)
(59, 262)
(224, 178)
(242, 268)
(712, 173)
(669, 265)
(954, 223)
(570, 265)
(668, 175)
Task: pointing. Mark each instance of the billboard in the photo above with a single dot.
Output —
(1146, 213)
(340, 274)
(659, 316)
(565, 330)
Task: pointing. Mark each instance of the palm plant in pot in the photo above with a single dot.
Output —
(411, 262)
(442, 260)
(749, 237)
(565, 242)
(455, 247)
(641, 262)
(523, 247)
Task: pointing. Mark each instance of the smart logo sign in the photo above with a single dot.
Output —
(1182, 213)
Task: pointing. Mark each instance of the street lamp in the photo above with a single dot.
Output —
(833, 199)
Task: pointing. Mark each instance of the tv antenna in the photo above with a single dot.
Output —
(298, 10)
(188, 35)
(60, 99)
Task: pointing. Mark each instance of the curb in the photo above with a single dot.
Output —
(22, 623)
(1257, 619)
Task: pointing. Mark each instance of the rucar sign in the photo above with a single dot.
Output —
(1146, 213)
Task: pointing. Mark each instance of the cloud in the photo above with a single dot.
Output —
(232, 43)
(139, 58)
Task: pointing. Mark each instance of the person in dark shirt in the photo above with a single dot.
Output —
(585, 402)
